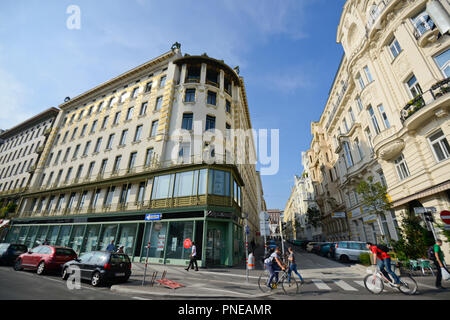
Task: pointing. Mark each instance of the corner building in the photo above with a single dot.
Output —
(155, 139)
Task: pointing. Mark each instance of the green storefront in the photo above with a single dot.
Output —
(214, 223)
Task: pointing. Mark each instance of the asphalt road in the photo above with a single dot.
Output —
(27, 285)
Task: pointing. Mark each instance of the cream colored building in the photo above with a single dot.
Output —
(388, 111)
(159, 139)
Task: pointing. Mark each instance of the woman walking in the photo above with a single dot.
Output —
(293, 265)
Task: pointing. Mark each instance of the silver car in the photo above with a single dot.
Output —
(350, 250)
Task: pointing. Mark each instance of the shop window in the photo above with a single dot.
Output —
(178, 231)
(219, 183)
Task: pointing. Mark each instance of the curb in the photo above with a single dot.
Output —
(118, 288)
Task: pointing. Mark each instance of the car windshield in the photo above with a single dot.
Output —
(3, 247)
(119, 258)
(64, 252)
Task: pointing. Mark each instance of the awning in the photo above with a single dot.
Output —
(424, 193)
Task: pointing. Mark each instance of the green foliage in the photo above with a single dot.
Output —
(374, 195)
(313, 217)
(7, 210)
(364, 258)
(414, 239)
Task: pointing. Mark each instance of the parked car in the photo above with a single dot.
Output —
(311, 245)
(325, 249)
(316, 247)
(350, 250)
(272, 244)
(100, 267)
(44, 258)
(10, 251)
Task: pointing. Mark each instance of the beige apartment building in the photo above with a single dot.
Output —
(150, 156)
(387, 115)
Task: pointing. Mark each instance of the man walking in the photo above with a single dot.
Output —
(438, 260)
(193, 258)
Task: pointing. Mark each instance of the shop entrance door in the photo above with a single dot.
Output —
(216, 251)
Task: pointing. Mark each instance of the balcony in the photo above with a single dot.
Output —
(426, 32)
(425, 104)
(374, 18)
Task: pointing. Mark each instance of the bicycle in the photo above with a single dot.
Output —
(289, 286)
(375, 282)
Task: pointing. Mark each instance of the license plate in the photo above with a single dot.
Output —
(120, 274)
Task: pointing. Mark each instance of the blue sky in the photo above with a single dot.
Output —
(286, 51)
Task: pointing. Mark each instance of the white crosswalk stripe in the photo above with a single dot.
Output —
(344, 285)
(320, 284)
(361, 283)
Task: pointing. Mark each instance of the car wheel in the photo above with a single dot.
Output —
(41, 268)
(96, 279)
(344, 259)
(18, 265)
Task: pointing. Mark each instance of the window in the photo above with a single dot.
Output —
(344, 122)
(83, 130)
(162, 186)
(80, 169)
(383, 114)
(74, 133)
(82, 199)
(348, 154)
(141, 192)
(143, 110)
(162, 81)
(352, 115)
(94, 125)
(185, 151)
(135, 92)
(100, 107)
(109, 195)
(382, 178)
(210, 123)
(443, 62)
(80, 116)
(193, 74)
(69, 172)
(148, 157)
(125, 193)
(95, 198)
(103, 166)
(187, 121)
(158, 103)
(368, 136)
(148, 87)
(66, 155)
(414, 87)
(129, 113)
(90, 169)
(97, 145)
(219, 183)
(137, 136)
(440, 146)
(123, 137)
(105, 121)
(358, 147)
(110, 141)
(189, 95)
(422, 23)
(395, 48)
(228, 106)
(116, 118)
(58, 155)
(360, 80)
(90, 111)
(154, 128)
(117, 164)
(65, 136)
(374, 120)
(75, 153)
(211, 99)
(86, 148)
(184, 184)
(132, 161)
(123, 96)
(368, 75)
(212, 76)
(402, 167)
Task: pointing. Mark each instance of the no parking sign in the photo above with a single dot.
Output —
(187, 243)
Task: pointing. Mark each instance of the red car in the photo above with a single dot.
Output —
(44, 258)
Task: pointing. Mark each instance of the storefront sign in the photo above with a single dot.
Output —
(161, 242)
(369, 219)
(152, 216)
(215, 214)
(355, 213)
(187, 243)
(338, 215)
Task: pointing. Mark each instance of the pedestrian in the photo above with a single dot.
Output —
(45, 243)
(111, 247)
(438, 260)
(193, 257)
(120, 250)
(293, 265)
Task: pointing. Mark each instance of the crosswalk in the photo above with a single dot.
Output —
(331, 284)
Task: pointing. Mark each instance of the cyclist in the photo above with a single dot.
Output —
(384, 261)
(273, 264)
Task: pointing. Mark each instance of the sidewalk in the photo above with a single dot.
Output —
(216, 283)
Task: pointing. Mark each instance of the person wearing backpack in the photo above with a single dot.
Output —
(273, 265)
(383, 262)
(436, 255)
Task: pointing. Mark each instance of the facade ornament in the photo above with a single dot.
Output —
(392, 149)
(176, 45)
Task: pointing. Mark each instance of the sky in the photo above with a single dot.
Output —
(286, 51)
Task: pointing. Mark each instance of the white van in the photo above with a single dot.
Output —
(350, 250)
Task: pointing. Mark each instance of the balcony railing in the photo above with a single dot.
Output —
(381, 8)
(436, 91)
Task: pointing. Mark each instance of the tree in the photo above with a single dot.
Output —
(374, 198)
(9, 208)
(313, 216)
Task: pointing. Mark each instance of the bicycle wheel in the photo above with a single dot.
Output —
(374, 283)
(408, 285)
(290, 287)
(262, 282)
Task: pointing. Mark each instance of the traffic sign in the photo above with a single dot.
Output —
(247, 230)
(152, 216)
(445, 216)
(187, 243)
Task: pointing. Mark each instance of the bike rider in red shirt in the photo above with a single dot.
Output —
(384, 262)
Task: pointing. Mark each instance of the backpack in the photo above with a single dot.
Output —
(430, 253)
(383, 248)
